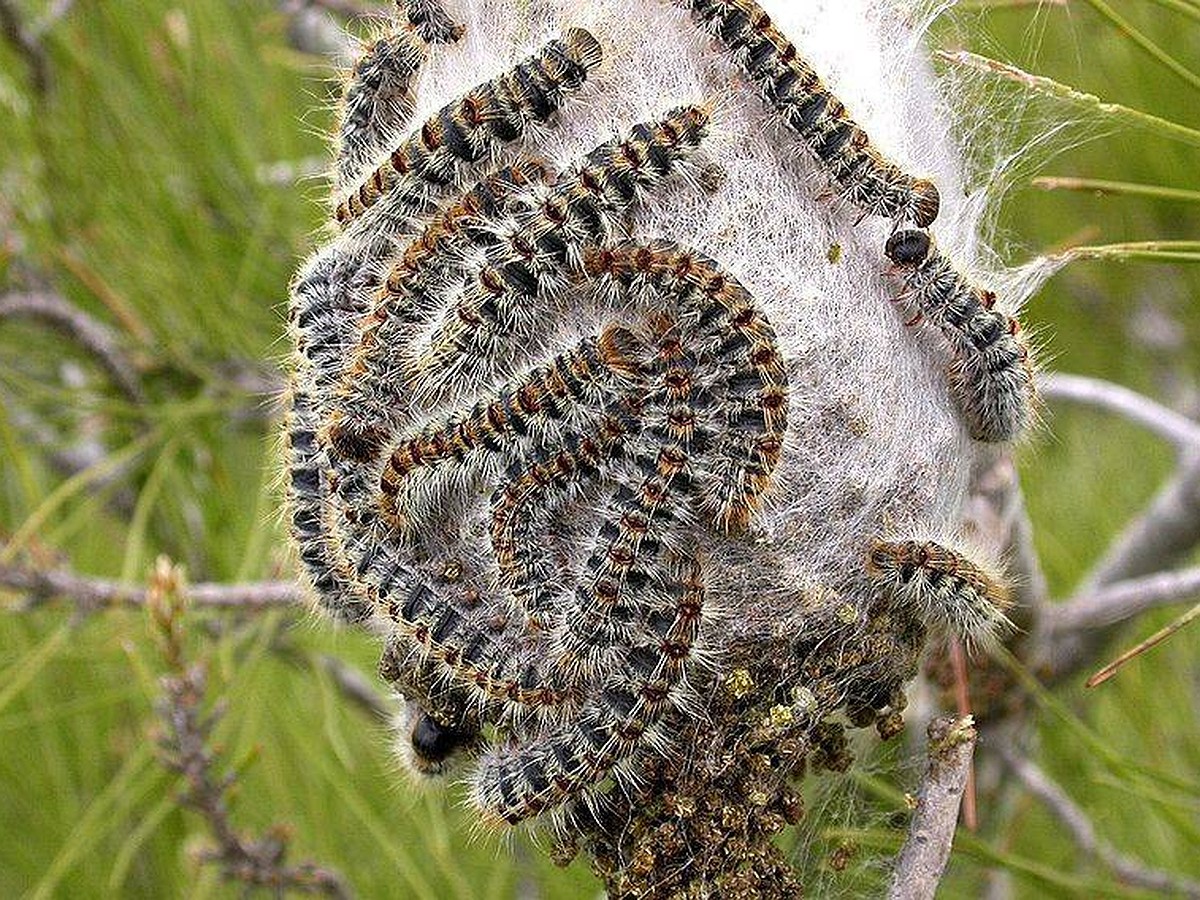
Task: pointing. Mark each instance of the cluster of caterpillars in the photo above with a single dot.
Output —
(567, 621)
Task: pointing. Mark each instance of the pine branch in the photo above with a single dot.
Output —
(184, 740)
(90, 334)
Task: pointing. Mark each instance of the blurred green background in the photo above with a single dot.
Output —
(153, 185)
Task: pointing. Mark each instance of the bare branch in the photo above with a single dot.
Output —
(91, 335)
(995, 510)
(1032, 590)
(1128, 579)
(1122, 601)
(1075, 820)
(923, 857)
(355, 686)
(1178, 429)
(91, 594)
(25, 41)
(1160, 537)
(1131, 576)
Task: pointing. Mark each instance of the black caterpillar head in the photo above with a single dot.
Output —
(908, 248)
(427, 744)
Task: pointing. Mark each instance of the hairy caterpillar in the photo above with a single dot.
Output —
(378, 99)
(866, 178)
(467, 129)
(943, 586)
(991, 377)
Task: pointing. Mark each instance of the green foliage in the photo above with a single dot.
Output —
(136, 188)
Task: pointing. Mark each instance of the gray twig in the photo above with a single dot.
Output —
(1180, 430)
(91, 594)
(1075, 820)
(27, 43)
(1160, 537)
(996, 510)
(1121, 601)
(355, 686)
(77, 325)
(1032, 590)
(1131, 577)
(923, 857)
(185, 745)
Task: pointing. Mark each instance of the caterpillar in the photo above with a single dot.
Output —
(589, 373)
(862, 174)
(731, 334)
(378, 98)
(944, 587)
(467, 129)
(368, 391)
(991, 376)
(533, 254)
(624, 716)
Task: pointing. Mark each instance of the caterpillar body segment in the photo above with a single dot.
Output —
(736, 345)
(862, 175)
(623, 716)
(467, 130)
(451, 625)
(532, 253)
(539, 484)
(308, 494)
(991, 375)
(364, 412)
(317, 301)
(590, 375)
(944, 588)
(430, 20)
(646, 518)
(378, 102)
(378, 99)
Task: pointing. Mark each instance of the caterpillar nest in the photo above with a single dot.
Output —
(605, 416)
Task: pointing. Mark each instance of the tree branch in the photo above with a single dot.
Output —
(995, 509)
(923, 857)
(1179, 430)
(91, 594)
(1130, 578)
(77, 325)
(1076, 822)
(25, 41)
(185, 745)
(1160, 537)
(1121, 601)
